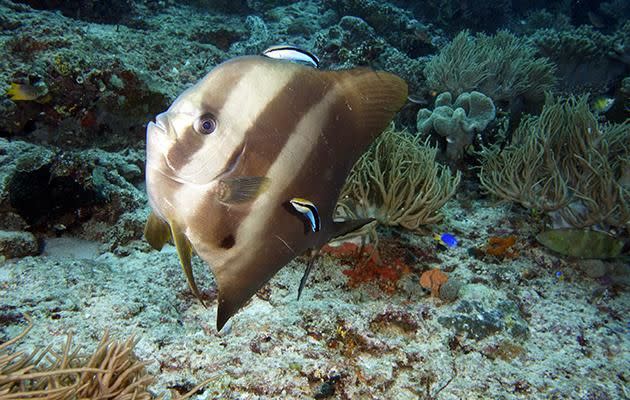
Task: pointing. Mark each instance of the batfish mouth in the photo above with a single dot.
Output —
(161, 125)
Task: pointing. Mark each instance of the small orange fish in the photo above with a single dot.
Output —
(27, 92)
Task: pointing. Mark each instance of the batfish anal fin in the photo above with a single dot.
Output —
(156, 232)
(314, 254)
(185, 251)
(241, 189)
(345, 227)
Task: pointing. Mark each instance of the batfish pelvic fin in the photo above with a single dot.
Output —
(158, 232)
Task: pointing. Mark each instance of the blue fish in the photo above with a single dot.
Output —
(292, 54)
(309, 210)
(446, 239)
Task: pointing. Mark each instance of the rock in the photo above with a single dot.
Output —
(450, 290)
(620, 273)
(594, 268)
(11, 221)
(483, 312)
(14, 244)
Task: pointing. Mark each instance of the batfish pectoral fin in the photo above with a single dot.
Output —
(156, 232)
(241, 189)
(185, 251)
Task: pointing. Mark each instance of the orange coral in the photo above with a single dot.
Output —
(367, 265)
(501, 247)
(433, 279)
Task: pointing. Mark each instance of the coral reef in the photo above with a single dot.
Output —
(454, 15)
(114, 11)
(457, 122)
(49, 191)
(565, 164)
(398, 182)
(503, 67)
(353, 42)
(587, 61)
(396, 25)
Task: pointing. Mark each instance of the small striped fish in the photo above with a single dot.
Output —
(229, 155)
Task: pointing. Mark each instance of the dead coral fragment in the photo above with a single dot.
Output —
(398, 182)
(433, 280)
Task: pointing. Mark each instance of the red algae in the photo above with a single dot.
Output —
(368, 264)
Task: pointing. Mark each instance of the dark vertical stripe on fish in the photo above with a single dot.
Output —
(268, 135)
(189, 143)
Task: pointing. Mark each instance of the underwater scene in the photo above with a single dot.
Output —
(317, 199)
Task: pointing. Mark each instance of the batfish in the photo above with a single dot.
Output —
(225, 161)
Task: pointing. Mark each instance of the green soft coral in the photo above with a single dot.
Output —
(566, 164)
(502, 66)
(398, 182)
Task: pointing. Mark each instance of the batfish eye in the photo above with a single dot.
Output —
(206, 124)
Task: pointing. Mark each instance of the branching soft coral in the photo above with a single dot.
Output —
(398, 182)
(111, 372)
(500, 66)
(566, 164)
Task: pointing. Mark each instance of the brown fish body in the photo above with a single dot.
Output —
(298, 129)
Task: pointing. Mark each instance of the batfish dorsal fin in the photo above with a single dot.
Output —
(373, 96)
(185, 251)
(156, 231)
